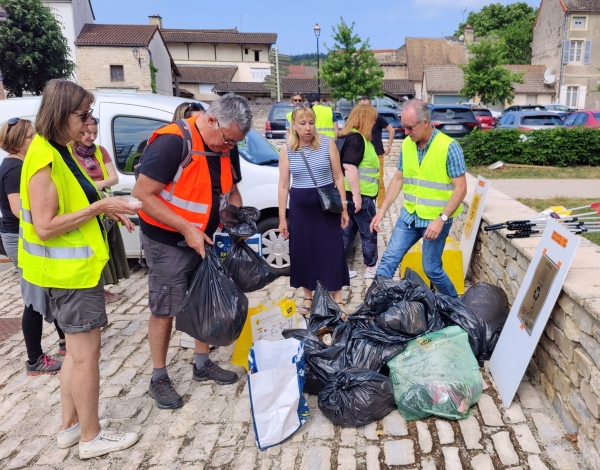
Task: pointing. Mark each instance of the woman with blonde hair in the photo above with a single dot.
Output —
(15, 137)
(361, 166)
(188, 110)
(315, 237)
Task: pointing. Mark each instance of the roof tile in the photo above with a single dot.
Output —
(223, 36)
(116, 35)
(398, 87)
(582, 5)
(206, 73)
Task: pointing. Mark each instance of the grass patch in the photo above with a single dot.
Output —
(541, 204)
(572, 172)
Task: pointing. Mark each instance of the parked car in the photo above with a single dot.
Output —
(341, 119)
(344, 106)
(529, 121)
(453, 119)
(558, 108)
(275, 125)
(485, 118)
(126, 122)
(523, 107)
(583, 118)
(392, 118)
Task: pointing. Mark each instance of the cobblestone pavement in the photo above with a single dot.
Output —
(214, 429)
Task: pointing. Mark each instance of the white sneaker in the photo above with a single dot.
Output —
(370, 272)
(66, 439)
(352, 274)
(110, 440)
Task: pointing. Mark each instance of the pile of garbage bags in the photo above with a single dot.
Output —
(347, 359)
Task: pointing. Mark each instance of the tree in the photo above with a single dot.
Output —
(33, 49)
(513, 23)
(350, 71)
(484, 75)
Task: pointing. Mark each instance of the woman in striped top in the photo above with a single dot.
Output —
(316, 245)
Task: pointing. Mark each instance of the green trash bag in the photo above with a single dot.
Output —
(437, 374)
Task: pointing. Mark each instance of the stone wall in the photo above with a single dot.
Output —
(567, 360)
(260, 113)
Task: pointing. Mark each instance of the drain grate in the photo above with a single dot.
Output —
(8, 327)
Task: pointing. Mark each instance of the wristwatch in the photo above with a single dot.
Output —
(444, 217)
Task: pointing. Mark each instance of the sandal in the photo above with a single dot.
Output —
(304, 310)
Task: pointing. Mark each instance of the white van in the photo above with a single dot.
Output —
(128, 120)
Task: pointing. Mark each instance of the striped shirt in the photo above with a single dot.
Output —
(319, 163)
(455, 166)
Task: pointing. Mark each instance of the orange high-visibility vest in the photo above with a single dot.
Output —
(190, 193)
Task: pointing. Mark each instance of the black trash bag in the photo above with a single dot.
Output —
(356, 397)
(240, 221)
(454, 312)
(404, 317)
(414, 277)
(324, 311)
(490, 305)
(215, 308)
(249, 270)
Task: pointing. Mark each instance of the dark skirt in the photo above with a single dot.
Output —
(316, 245)
(117, 266)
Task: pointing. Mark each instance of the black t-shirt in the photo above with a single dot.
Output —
(353, 149)
(10, 182)
(88, 187)
(380, 125)
(161, 162)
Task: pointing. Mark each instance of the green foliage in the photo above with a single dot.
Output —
(33, 49)
(513, 24)
(307, 59)
(153, 71)
(484, 75)
(559, 146)
(350, 71)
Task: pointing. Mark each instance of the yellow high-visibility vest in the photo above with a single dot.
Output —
(368, 170)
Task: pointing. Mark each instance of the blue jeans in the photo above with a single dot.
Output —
(360, 222)
(403, 238)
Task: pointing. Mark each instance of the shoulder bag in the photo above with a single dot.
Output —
(329, 197)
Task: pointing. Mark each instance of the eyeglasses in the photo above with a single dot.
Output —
(11, 122)
(410, 128)
(195, 107)
(229, 142)
(84, 115)
(297, 101)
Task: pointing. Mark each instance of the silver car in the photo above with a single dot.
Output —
(529, 121)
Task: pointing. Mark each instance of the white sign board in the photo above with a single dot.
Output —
(471, 227)
(531, 310)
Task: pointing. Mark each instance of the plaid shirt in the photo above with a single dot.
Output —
(455, 166)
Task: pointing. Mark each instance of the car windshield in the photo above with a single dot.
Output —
(482, 112)
(258, 150)
(390, 118)
(279, 112)
(451, 114)
(597, 116)
(542, 120)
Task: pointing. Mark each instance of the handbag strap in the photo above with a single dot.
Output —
(308, 168)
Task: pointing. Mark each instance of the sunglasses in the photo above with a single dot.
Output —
(84, 115)
(11, 122)
(297, 101)
(228, 142)
(195, 107)
(410, 128)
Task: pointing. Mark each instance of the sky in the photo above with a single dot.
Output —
(385, 23)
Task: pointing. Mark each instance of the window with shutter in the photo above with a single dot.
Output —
(582, 96)
(117, 74)
(566, 48)
(587, 53)
(575, 51)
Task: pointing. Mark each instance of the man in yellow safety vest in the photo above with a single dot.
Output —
(431, 169)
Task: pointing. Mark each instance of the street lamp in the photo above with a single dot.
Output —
(317, 29)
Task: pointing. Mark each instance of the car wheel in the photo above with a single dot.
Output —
(275, 249)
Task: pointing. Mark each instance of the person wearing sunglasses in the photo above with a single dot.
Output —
(62, 248)
(15, 137)
(188, 110)
(181, 208)
(96, 162)
(297, 99)
(431, 170)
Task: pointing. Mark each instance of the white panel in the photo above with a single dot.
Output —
(582, 96)
(516, 345)
(563, 96)
(471, 226)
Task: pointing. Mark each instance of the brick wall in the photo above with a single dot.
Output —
(567, 360)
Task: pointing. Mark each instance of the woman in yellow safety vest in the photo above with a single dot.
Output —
(62, 248)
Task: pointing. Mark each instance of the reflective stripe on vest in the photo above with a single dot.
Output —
(427, 186)
(190, 193)
(368, 170)
(73, 260)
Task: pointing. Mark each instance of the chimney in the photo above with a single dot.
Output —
(157, 20)
(468, 33)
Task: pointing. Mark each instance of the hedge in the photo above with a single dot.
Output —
(551, 147)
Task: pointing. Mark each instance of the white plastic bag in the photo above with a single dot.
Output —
(275, 381)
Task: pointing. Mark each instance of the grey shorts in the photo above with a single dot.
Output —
(169, 273)
(78, 310)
